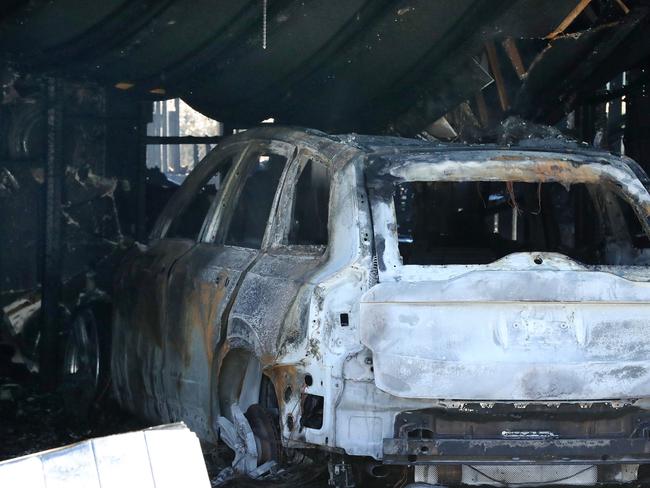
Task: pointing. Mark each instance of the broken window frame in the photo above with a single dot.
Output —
(280, 233)
(218, 223)
(481, 222)
(515, 166)
(185, 194)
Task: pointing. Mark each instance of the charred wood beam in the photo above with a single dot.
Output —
(568, 20)
(495, 67)
(482, 109)
(510, 47)
(52, 257)
(574, 65)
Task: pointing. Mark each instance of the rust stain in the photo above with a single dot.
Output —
(209, 300)
(202, 315)
(283, 377)
(551, 169)
(267, 359)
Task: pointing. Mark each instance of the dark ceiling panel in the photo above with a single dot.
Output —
(334, 65)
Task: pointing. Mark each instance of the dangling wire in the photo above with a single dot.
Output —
(264, 12)
(510, 188)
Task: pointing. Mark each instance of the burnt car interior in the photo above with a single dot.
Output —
(189, 221)
(311, 206)
(251, 214)
(123, 132)
(480, 222)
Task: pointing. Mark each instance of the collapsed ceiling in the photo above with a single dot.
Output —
(340, 65)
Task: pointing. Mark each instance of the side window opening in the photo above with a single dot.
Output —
(188, 222)
(311, 206)
(638, 237)
(251, 214)
(480, 222)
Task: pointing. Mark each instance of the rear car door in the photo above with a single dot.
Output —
(268, 310)
(141, 291)
(204, 281)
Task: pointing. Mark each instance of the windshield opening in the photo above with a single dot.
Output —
(480, 222)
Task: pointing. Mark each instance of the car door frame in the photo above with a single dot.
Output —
(143, 278)
(208, 292)
(293, 267)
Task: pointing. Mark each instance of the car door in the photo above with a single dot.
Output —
(204, 281)
(267, 310)
(141, 291)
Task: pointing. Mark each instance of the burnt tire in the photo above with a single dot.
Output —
(267, 434)
(85, 360)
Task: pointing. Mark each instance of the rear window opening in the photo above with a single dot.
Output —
(480, 222)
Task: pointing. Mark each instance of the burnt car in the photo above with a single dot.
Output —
(450, 313)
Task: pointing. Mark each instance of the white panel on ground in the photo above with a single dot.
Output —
(160, 457)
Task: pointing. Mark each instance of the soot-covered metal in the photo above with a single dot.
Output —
(367, 307)
(385, 358)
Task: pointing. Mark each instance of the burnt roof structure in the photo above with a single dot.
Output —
(340, 65)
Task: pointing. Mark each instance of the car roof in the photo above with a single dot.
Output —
(383, 151)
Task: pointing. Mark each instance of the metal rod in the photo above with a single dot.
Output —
(141, 175)
(175, 130)
(183, 140)
(264, 22)
(195, 155)
(52, 258)
(164, 166)
(153, 153)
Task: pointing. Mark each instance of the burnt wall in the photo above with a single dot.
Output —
(99, 178)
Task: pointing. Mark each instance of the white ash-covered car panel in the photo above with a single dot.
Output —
(531, 325)
(335, 286)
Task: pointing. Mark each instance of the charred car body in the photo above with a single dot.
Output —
(479, 313)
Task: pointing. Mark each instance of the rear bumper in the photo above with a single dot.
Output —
(537, 434)
(366, 421)
(507, 451)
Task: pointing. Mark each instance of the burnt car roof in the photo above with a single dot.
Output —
(384, 151)
(386, 144)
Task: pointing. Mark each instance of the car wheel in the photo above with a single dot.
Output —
(267, 434)
(85, 361)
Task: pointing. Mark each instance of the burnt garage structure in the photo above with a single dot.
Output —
(79, 80)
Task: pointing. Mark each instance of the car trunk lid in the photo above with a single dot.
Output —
(542, 333)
